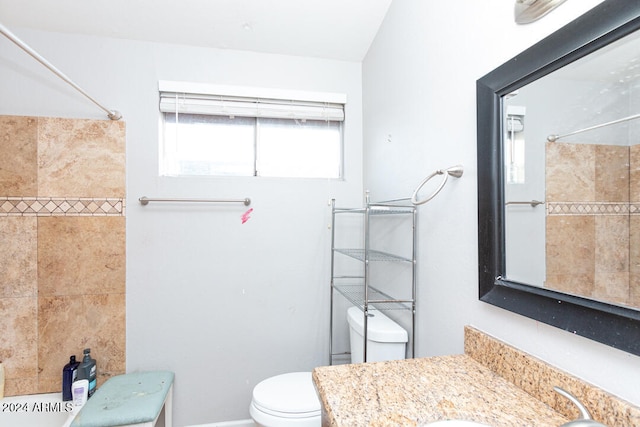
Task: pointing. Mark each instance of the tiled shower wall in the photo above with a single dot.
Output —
(62, 243)
(593, 221)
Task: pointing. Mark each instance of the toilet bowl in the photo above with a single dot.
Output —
(290, 400)
(287, 400)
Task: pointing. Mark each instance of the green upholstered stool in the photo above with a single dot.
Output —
(134, 399)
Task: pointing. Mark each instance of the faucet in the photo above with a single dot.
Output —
(585, 419)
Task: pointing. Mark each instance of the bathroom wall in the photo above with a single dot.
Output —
(62, 236)
(588, 221)
(419, 82)
(221, 303)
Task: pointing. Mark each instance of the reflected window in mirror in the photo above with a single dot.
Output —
(514, 157)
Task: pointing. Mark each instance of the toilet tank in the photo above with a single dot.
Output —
(386, 340)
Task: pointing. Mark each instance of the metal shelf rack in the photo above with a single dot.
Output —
(357, 289)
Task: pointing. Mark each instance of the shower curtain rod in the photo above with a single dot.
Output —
(111, 114)
(554, 138)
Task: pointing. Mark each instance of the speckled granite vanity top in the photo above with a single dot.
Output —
(492, 383)
(416, 391)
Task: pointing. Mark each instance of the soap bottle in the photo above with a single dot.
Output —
(88, 371)
(1, 380)
(69, 375)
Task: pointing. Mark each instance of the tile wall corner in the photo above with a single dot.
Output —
(62, 235)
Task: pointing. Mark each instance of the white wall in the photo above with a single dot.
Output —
(222, 304)
(419, 87)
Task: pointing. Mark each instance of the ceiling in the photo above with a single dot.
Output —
(334, 29)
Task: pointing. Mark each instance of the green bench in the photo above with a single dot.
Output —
(134, 399)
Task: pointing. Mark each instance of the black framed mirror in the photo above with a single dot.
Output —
(609, 323)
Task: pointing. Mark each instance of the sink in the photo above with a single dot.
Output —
(455, 423)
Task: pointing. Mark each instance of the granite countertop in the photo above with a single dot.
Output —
(414, 392)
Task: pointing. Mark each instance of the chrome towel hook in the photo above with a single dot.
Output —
(454, 171)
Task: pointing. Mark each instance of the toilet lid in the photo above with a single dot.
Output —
(291, 393)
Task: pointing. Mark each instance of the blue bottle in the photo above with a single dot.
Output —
(69, 375)
(88, 371)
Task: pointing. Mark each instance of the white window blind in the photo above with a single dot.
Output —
(239, 131)
(222, 101)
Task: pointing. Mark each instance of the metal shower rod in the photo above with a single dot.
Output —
(554, 138)
(112, 114)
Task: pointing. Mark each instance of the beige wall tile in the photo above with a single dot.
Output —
(570, 244)
(69, 324)
(615, 234)
(612, 259)
(634, 261)
(570, 283)
(634, 171)
(81, 158)
(62, 278)
(634, 243)
(18, 346)
(634, 290)
(18, 162)
(570, 172)
(612, 287)
(612, 243)
(611, 173)
(81, 255)
(18, 269)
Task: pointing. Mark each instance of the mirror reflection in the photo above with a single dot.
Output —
(572, 177)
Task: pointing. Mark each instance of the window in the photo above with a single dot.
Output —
(515, 148)
(223, 134)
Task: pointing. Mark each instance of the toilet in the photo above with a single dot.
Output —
(386, 340)
(290, 400)
(287, 400)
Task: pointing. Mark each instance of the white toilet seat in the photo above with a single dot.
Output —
(286, 400)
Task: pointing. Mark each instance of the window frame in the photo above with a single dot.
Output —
(209, 99)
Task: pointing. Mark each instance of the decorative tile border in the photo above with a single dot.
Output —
(592, 208)
(60, 206)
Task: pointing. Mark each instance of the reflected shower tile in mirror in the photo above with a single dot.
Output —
(612, 288)
(612, 173)
(570, 244)
(570, 283)
(634, 261)
(634, 290)
(612, 259)
(570, 170)
(612, 243)
(634, 173)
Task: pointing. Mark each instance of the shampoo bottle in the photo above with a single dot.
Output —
(87, 371)
(69, 375)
